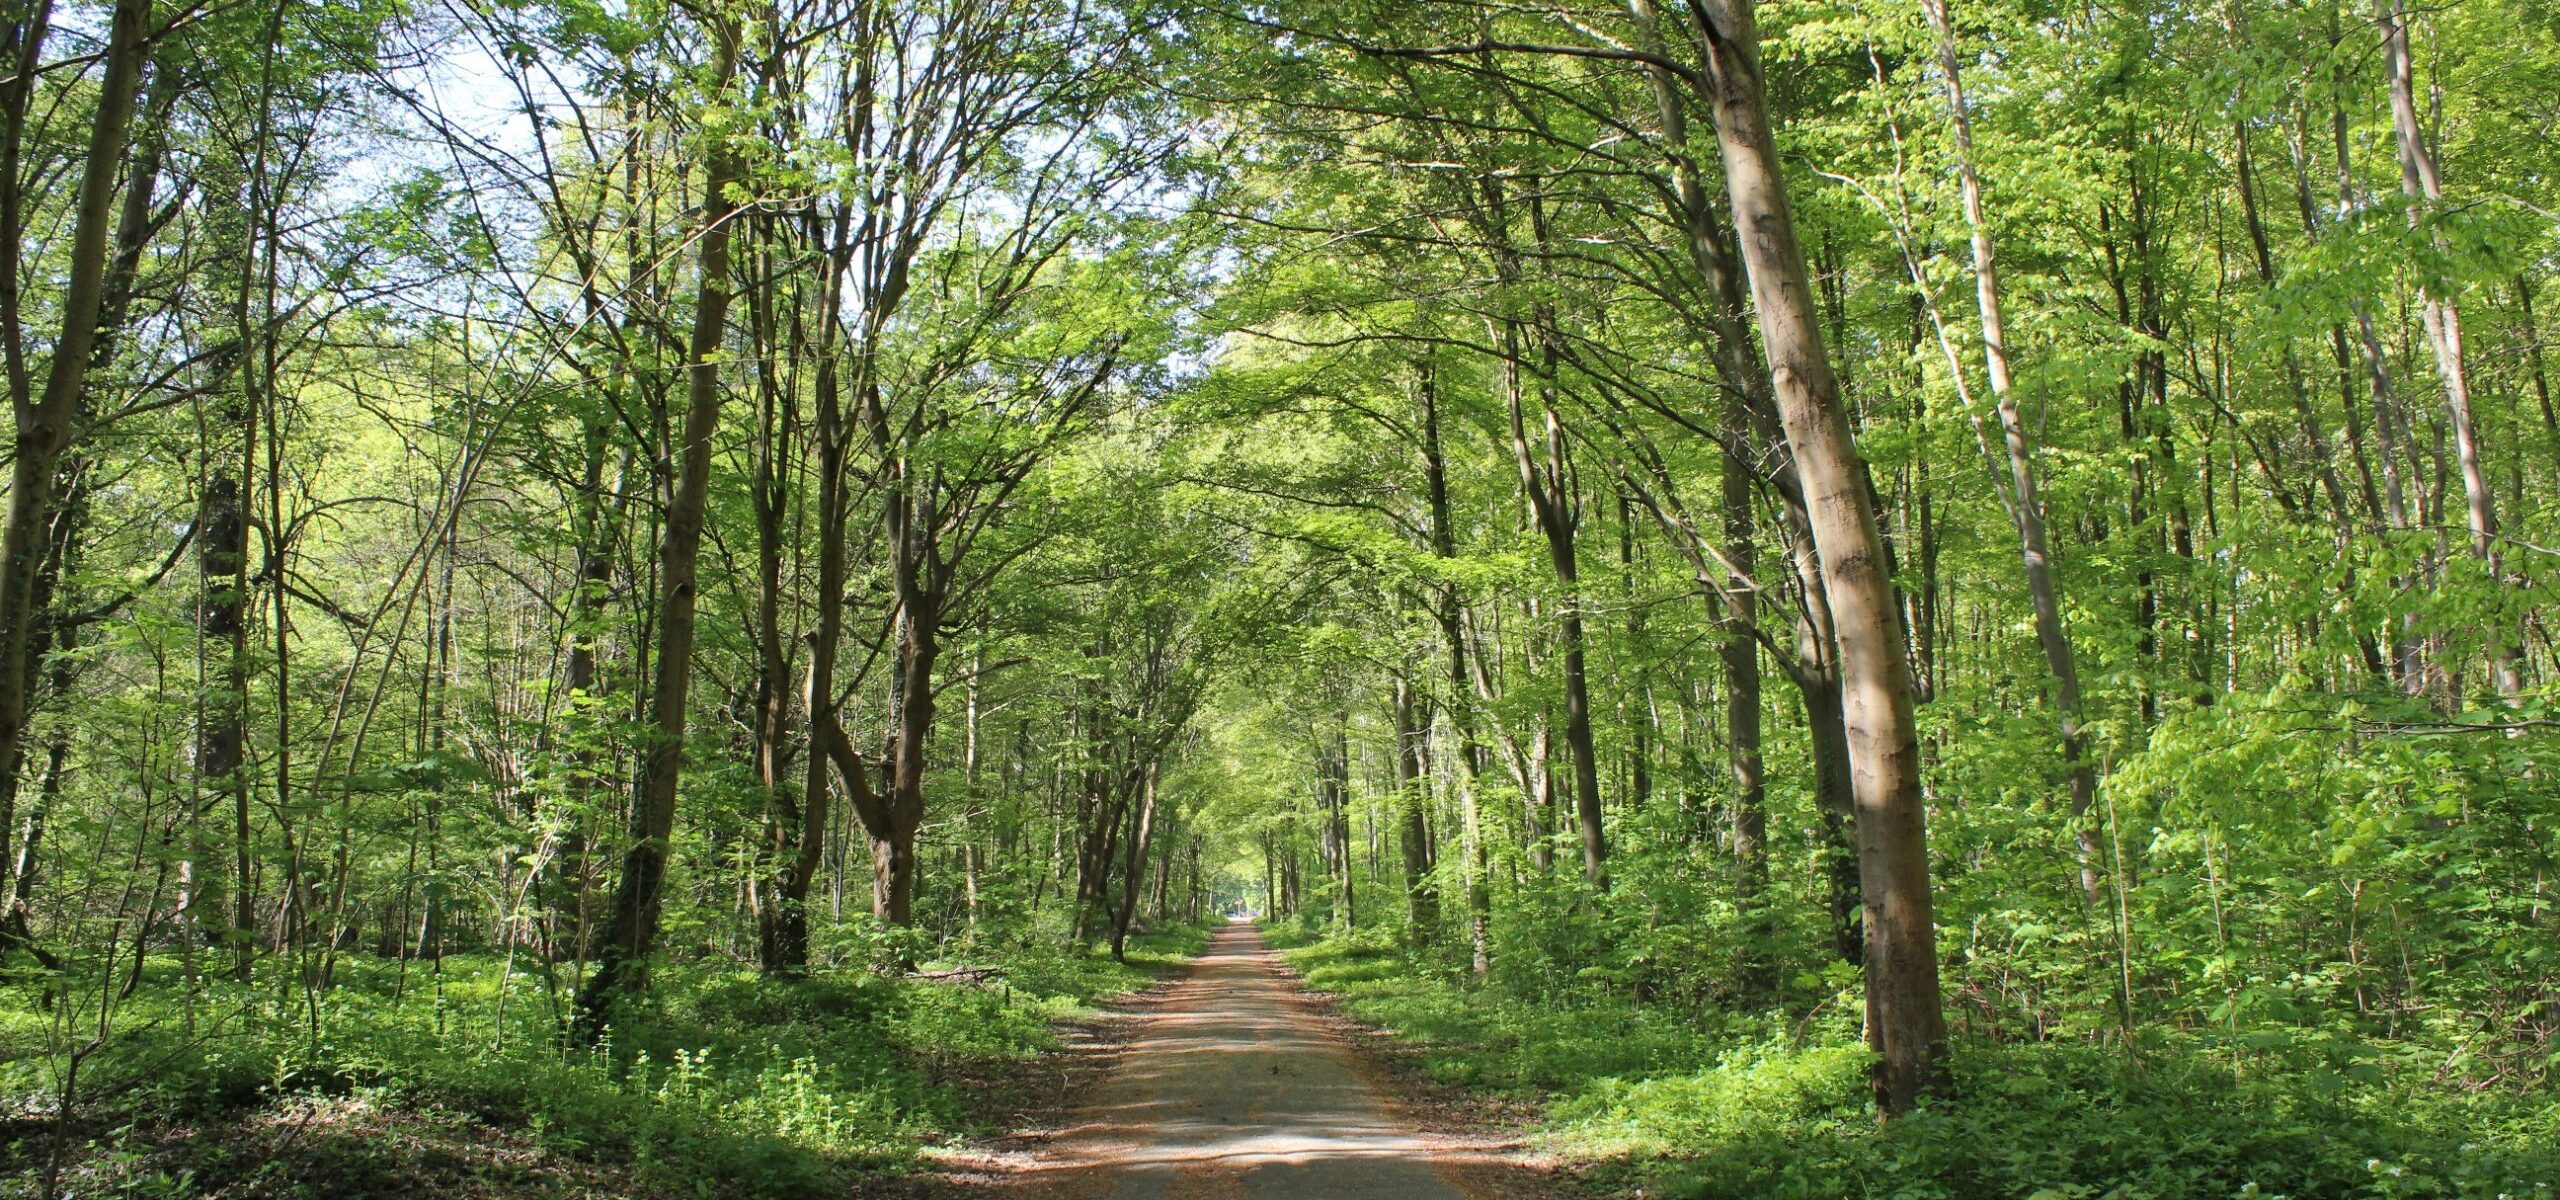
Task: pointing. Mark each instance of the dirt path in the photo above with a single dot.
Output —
(1233, 1088)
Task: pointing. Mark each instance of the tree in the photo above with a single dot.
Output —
(1906, 1021)
(47, 419)
(631, 930)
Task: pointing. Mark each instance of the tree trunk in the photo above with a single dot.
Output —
(1556, 510)
(1450, 614)
(1902, 962)
(2342, 512)
(1133, 860)
(776, 426)
(1835, 808)
(1745, 404)
(1333, 804)
(2423, 184)
(2532, 333)
(784, 939)
(1422, 896)
(57, 631)
(916, 575)
(46, 422)
(2024, 501)
(631, 930)
(220, 734)
(900, 811)
(2406, 661)
(1738, 650)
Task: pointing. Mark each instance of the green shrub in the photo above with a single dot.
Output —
(1720, 1107)
(727, 1083)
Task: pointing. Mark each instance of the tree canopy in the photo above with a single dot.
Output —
(1816, 575)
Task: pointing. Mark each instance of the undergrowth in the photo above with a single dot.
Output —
(728, 1085)
(1657, 1101)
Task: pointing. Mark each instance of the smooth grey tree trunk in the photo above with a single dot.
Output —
(1906, 1015)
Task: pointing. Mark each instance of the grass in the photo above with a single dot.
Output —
(1655, 1102)
(728, 1085)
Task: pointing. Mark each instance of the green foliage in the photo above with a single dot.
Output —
(732, 1084)
(1200, 396)
(1523, 1048)
(1719, 1106)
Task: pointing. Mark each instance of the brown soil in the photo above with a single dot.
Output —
(1234, 1083)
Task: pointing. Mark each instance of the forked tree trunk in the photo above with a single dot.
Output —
(2342, 511)
(893, 820)
(800, 837)
(1547, 481)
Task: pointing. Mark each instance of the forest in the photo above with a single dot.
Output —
(1804, 599)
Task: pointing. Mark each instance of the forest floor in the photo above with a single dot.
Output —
(728, 1084)
(1233, 1083)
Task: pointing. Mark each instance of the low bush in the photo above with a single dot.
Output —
(728, 1084)
(1712, 1106)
